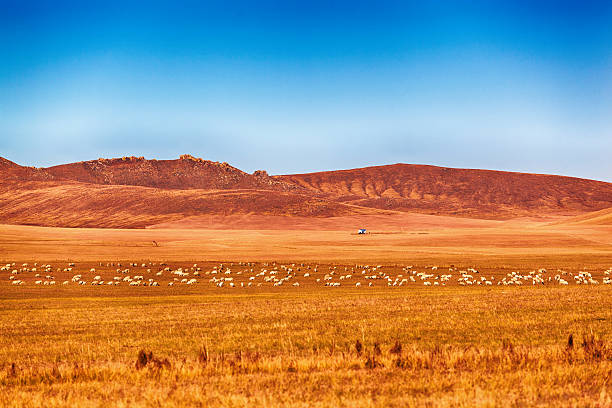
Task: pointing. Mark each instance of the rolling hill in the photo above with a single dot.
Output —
(74, 204)
(133, 192)
(460, 192)
(601, 217)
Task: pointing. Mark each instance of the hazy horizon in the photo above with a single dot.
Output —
(296, 88)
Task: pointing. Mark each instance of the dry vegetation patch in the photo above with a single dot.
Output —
(453, 347)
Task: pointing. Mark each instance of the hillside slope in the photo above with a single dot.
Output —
(462, 192)
(601, 217)
(74, 204)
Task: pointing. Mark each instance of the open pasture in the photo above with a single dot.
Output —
(395, 319)
(518, 244)
(452, 346)
(118, 277)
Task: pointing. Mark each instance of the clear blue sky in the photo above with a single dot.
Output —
(303, 86)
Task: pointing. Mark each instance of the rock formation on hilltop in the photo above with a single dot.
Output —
(187, 172)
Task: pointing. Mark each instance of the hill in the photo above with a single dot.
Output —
(601, 217)
(133, 192)
(187, 172)
(460, 192)
(12, 171)
(74, 204)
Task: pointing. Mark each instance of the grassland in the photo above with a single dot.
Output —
(459, 347)
(516, 243)
(73, 345)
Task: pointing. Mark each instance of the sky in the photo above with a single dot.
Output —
(293, 87)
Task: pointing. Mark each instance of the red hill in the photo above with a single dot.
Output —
(185, 173)
(72, 204)
(462, 192)
(134, 192)
(13, 171)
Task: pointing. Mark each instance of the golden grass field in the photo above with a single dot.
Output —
(308, 345)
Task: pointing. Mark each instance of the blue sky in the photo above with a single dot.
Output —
(304, 86)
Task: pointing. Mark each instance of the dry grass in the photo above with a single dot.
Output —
(309, 346)
(417, 347)
(513, 244)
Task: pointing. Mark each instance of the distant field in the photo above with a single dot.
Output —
(515, 244)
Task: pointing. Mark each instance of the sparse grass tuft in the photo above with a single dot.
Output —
(145, 359)
(397, 348)
(358, 348)
(203, 356)
(376, 350)
(595, 349)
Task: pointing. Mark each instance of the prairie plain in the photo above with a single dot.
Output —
(392, 340)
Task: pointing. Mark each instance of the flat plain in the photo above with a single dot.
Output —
(380, 337)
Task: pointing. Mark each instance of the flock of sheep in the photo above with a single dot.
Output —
(246, 275)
